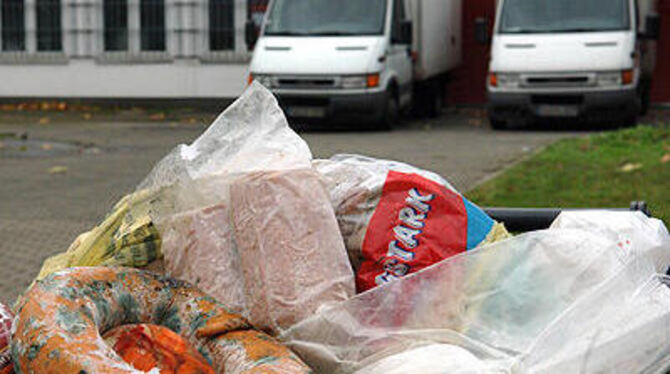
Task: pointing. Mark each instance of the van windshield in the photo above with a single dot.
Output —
(533, 16)
(326, 17)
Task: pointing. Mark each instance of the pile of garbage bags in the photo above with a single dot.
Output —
(360, 265)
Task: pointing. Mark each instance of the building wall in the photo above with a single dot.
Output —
(468, 83)
(124, 48)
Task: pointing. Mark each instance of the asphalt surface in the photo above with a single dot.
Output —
(58, 179)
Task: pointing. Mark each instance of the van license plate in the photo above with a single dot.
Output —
(557, 111)
(307, 112)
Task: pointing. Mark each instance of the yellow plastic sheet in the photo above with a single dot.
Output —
(127, 237)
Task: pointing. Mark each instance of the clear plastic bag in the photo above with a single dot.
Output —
(247, 219)
(509, 304)
(250, 135)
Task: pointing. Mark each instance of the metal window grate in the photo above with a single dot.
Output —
(221, 25)
(152, 25)
(13, 25)
(115, 19)
(49, 31)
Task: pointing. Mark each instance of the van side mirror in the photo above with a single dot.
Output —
(402, 33)
(652, 27)
(482, 30)
(250, 34)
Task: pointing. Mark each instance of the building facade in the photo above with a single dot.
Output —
(124, 48)
(182, 49)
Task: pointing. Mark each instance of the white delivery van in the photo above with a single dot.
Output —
(356, 62)
(571, 58)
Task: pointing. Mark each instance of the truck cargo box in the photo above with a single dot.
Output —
(437, 36)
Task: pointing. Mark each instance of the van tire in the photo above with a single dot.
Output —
(429, 99)
(497, 124)
(645, 98)
(391, 112)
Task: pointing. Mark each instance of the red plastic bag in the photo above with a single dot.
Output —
(397, 219)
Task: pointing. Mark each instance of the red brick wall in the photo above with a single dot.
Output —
(468, 83)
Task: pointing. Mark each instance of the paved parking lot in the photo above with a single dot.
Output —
(63, 179)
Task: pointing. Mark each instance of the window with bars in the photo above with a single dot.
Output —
(152, 25)
(221, 25)
(13, 25)
(49, 31)
(115, 24)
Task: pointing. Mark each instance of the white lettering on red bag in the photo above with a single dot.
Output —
(417, 222)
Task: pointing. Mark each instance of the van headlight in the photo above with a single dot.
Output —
(508, 80)
(609, 79)
(360, 81)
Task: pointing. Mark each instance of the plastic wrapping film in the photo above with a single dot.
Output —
(292, 254)
(630, 230)
(250, 135)
(246, 218)
(126, 237)
(504, 303)
(397, 219)
(199, 246)
(60, 320)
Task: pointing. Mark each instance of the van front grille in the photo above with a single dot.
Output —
(576, 80)
(305, 82)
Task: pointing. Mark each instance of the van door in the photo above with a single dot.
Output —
(400, 56)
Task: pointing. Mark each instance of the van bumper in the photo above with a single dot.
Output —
(590, 105)
(335, 109)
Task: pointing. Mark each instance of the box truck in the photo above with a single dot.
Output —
(357, 62)
(571, 58)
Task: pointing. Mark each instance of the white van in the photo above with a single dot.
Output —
(357, 62)
(571, 58)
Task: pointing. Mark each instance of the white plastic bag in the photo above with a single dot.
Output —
(429, 359)
(633, 231)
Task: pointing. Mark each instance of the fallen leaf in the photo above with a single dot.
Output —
(47, 147)
(58, 170)
(157, 117)
(62, 106)
(476, 122)
(192, 121)
(87, 115)
(665, 159)
(44, 120)
(630, 167)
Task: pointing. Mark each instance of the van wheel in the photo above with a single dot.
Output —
(645, 94)
(497, 124)
(391, 112)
